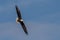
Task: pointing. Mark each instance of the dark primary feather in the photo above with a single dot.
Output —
(18, 12)
(24, 27)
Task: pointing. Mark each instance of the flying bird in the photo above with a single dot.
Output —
(20, 20)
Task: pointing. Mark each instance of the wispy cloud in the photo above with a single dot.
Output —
(38, 31)
(42, 20)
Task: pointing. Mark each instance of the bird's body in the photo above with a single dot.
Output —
(20, 20)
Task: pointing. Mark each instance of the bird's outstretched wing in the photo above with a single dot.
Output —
(24, 27)
(18, 12)
(21, 22)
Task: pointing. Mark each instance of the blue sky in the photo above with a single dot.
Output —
(42, 19)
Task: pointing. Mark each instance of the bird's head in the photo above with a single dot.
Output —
(17, 20)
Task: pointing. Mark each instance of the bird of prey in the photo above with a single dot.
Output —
(20, 20)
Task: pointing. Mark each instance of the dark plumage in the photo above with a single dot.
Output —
(20, 20)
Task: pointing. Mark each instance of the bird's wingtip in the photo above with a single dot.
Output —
(26, 33)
